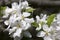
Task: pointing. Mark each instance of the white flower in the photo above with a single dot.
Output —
(19, 23)
(39, 20)
(15, 20)
(46, 33)
(49, 33)
(44, 18)
(18, 20)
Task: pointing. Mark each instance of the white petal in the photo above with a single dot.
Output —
(27, 34)
(8, 10)
(28, 7)
(58, 16)
(41, 34)
(27, 26)
(23, 24)
(12, 19)
(6, 22)
(44, 19)
(26, 14)
(24, 4)
(47, 38)
(12, 30)
(17, 33)
(14, 5)
(31, 20)
(46, 28)
(38, 19)
(5, 16)
(58, 28)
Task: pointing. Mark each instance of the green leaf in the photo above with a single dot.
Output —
(34, 24)
(50, 19)
(1, 10)
(30, 10)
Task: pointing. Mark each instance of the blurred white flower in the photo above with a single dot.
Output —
(43, 19)
(47, 32)
(18, 22)
(40, 20)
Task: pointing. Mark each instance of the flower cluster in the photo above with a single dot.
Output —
(48, 30)
(18, 22)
